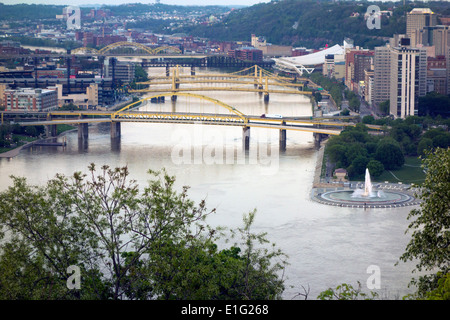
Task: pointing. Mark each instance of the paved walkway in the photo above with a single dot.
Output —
(14, 152)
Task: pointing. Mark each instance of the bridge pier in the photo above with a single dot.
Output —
(83, 131)
(50, 130)
(246, 138)
(318, 137)
(115, 130)
(283, 139)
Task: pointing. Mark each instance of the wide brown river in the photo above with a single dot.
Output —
(326, 245)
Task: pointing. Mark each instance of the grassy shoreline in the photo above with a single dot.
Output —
(27, 140)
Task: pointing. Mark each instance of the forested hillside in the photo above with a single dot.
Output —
(311, 23)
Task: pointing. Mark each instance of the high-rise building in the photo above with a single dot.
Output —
(407, 80)
(356, 61)
(381, 75)
(437, 36)
(447, 54)
(419, 18)
(437, 74)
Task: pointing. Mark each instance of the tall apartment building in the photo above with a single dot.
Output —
(30, 99)
(356, 61)
(368, 85)
(419, 18)
(437, 36)
(407, 80)
(381, 75)
(447, 55)
(437, 74)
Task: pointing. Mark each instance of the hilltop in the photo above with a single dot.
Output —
(311, 23)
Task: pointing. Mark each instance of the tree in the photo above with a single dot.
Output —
(430, 225)
(384, 107)
(375, 167)
(127, 243)
(390, 155)
(424, 145)
(346, 291)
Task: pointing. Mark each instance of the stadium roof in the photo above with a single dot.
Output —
(315, 58)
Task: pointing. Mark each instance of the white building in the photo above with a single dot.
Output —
(408, 80)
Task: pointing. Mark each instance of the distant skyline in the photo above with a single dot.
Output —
(169, 2)
(117, 2)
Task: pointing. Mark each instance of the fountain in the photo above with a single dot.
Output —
(366, 196)
(367, 192)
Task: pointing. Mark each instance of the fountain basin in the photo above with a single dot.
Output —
(348, 197)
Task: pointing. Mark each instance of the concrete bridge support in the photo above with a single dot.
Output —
(246, 138)
(50, 130)
(83, 131)
(318, 137)
(283, 139)
(115, 130)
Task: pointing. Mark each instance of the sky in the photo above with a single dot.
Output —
(109, 2)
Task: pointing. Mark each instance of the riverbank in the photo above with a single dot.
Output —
(321, 187)
(14, 152)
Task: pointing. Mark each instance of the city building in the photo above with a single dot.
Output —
(28, 99)
(270, 50)
(368, 85)
(89, 100)
(419, 18)
(119, 70)
(3, 87)
(447, 55)
(356, 61)
(407, 80)
(334, 66)
(437, 36)
(247, 53)
(381, 75)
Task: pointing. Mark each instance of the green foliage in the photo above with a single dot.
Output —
(402, 138)
(430, 224)
(424, 145)
(301, 23)
(434, 104)
(384, 107)
(346, 292)
(442, 291)
(375, 167)
(390, 155)
(333, 86)
(128, 243)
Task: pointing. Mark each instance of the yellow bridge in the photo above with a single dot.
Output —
(258, 78)
(133, 46)
(253, 79)
(230, 116)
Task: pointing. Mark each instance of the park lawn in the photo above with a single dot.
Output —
(410, 172)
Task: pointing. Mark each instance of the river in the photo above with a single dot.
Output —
(326, 245)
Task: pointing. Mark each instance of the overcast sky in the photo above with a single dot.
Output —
(171, 2)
